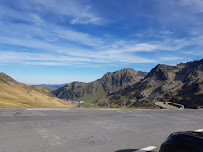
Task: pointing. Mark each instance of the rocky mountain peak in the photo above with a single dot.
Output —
(160, 72)
(128, 70)
(74, 84)
(5, 78)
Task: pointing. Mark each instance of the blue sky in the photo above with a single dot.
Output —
(60, 41)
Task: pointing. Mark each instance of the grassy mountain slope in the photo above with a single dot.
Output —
(96, 90)
(15, 94)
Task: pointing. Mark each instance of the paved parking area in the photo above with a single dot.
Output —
(91, 130)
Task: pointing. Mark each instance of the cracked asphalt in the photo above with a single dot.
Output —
(91, 130)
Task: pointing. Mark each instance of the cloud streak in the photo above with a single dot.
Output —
(79, 11)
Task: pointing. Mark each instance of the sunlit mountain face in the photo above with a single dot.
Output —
(14, 94)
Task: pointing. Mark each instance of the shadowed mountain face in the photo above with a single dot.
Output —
(96, 90)
(16, 94)
(183, 82)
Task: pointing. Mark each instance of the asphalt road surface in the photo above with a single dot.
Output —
(92, 130)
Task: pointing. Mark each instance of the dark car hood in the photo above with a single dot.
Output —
(190, 133)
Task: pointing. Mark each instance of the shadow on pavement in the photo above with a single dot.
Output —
(131, 150)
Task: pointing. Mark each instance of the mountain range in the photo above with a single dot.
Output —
(100, 88)
(16, 94)
(182, 83)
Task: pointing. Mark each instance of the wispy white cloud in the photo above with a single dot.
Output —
(119, 52)
(37, 19)
(78, 10)
(194, 53)
(78, 37)
(74, 12)
(171, 58)
(31, 43)
(68, 60)
(11, 34)
(173, 44)
(167, 32)
(195, 5)
(86, 18)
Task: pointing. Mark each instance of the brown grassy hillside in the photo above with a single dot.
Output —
(15, 94)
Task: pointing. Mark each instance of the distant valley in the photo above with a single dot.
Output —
(51, 87)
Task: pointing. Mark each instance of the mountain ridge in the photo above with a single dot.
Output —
(93, 91)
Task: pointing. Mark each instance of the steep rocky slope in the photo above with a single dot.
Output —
(96, 90)
(183, 82)
(15, 94)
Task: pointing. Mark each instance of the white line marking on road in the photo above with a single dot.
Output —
(146, 149)
(199, 130)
